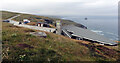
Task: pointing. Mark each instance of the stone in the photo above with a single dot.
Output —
(41, 34)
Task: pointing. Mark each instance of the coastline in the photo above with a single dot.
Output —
(98, 24)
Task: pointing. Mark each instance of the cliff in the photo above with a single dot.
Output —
(19, 45)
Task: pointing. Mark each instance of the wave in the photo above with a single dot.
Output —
(110, 35)
(97, 31)
(63, 18)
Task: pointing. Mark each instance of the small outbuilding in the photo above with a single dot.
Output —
(26, 21)
(42, 24)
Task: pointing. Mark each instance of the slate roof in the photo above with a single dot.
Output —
(88, 34)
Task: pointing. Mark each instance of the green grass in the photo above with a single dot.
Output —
(6, 15)
(33, 18)
(0, 29)
(52, 48)
(0, 37)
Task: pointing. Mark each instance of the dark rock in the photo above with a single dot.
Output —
(48, 21)
(38, 18)
(80, 25)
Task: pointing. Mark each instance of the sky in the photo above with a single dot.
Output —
(62, 7)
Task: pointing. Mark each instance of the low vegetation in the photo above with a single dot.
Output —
(0, 38)
(19, 45)
(35, 18)
(53, 47)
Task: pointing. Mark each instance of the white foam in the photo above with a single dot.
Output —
(63, 18)
(101, 34)
(111, 33)
(97, 31)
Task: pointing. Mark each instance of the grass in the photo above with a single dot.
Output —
(0, 38)
(6, 15)
(35, 18)
(0, 29)
(52, 48)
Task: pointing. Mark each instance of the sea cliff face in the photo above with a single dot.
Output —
(69, 22)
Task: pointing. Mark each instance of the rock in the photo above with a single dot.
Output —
(41, 34)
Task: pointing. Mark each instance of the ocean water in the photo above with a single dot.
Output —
(103, 25)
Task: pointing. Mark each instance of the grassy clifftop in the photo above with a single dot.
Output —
(19, 45)
(54, 47)
(36, 18)
(18, 42)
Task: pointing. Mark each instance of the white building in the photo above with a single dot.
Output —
(26, 20)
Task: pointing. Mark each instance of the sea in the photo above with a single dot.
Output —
(103, 25)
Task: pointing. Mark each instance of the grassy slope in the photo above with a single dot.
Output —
(64, 48)
(54, 47)
(33, 18)
(0, 35)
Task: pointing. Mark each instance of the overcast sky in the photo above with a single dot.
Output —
(63, 7)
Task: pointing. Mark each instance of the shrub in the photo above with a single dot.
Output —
(14, 35)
